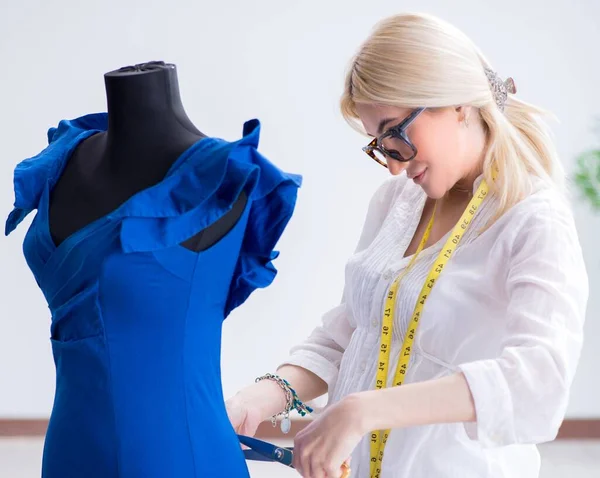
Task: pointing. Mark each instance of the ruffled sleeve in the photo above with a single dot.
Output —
(31, 175)
(272, 206)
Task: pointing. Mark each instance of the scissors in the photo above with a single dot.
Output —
(264, 451)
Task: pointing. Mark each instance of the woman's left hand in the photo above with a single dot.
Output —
(322, 448)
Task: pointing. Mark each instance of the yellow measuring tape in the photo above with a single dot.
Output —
(379, 438)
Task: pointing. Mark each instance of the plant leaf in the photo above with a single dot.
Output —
(587, 177)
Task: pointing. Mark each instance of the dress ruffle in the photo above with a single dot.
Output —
(32, 174)
(201, 186)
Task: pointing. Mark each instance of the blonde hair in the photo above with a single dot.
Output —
(417, 60)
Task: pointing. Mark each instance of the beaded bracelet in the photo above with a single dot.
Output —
(293, 402)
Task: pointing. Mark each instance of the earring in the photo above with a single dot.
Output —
(467, 121)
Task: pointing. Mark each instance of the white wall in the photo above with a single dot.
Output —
(282, 62)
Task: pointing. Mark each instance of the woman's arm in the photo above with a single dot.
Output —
(269, 399)
(445, 400)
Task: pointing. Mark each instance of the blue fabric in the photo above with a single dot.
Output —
(136, 318)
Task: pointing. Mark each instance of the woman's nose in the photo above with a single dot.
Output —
(396, 167)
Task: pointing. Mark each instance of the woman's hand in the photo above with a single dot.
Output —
(250, 407)
(260, 401)
(322, 448)
(244, 417)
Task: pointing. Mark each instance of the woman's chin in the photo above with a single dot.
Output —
(432, 192)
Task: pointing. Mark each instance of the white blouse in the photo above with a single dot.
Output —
(507, 311)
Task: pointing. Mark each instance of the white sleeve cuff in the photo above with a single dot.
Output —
(494, 425)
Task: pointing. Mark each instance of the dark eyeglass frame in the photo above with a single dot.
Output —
(398, 132)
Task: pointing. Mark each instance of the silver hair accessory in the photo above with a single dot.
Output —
(500, 88)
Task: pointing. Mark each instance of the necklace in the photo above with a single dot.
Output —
(462, 190)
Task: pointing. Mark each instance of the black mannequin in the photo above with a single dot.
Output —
(148, 130)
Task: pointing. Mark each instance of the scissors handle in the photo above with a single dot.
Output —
(265, 451)
(253, 455)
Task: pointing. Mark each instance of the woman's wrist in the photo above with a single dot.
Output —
(269, 398)
(373, 410)
(443, 400)
(379, 409)
(365, 410)
(266, 396)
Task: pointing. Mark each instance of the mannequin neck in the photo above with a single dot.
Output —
(144, 107)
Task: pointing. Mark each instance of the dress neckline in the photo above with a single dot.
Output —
(116, 212)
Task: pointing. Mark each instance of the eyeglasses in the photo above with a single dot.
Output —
(394, 143)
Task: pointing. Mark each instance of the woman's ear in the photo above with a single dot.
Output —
(463, 113)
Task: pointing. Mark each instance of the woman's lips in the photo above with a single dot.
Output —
(419, 178)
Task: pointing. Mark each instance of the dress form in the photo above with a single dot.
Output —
(148, 129)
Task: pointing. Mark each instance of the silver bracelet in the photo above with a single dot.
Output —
(286, 424)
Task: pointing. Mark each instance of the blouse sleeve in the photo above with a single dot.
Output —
(521, 397)
(321, 353)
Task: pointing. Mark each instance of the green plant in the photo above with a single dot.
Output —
(587, 177)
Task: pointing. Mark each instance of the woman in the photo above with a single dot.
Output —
(467, 288)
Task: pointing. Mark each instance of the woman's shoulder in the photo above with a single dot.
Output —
(545, 204)
(543, 217)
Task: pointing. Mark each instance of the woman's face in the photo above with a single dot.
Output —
(442, 140)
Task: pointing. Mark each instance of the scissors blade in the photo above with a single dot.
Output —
(264, 451)
(253, 455)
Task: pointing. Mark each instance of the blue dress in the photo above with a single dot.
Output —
(136, 318)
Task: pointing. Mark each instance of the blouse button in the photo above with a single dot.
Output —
(374, 323)
(387, 275)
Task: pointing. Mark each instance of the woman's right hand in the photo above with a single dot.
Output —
(260, 401)
(244, 417)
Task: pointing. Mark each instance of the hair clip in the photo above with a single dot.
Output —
(500, 88)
